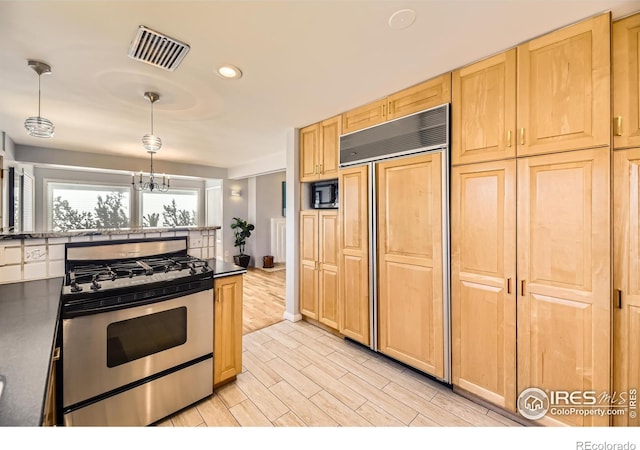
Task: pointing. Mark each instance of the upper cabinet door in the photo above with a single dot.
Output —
(330, 142)
(564, 89)
(309, 150)
(364, 116)
(626, 80)
(423, 96)
(484, 110)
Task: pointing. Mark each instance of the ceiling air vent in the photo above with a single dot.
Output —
(157, 49)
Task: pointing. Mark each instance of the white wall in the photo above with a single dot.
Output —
(268, 205)
(232, 207)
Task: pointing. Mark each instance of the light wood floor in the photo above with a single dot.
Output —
(296, 374)
(263, 299)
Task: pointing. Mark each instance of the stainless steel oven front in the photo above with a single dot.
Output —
(136, 365)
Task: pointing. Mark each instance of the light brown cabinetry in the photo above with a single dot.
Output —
(626, 278)
(354, 253)
(428, 94)
(483, 280)
(564, 281)
(484, 110)
(319, 241)
(626, 82)
(561, 100)
(227, 329)
(319, 150)
(410, 294)
(564, 89)
(50, 418)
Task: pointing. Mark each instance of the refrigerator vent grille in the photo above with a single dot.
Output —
(422, 131)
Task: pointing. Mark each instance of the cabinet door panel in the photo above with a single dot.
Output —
(564, 89)
(410, 299)
(626, 276)
(228, 328)
(428, 94)
(354, 259)
(626, 82)
(483, 271)
(308, 263)
(364, 116)
(328, 275)
(309, 152)
(484, 110)
(330, 142)
(564, 273)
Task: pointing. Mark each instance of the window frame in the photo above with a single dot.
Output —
(195, 190)
(48, 199)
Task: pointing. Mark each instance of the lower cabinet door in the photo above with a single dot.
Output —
(483, 278)
(626, 284)
(564, 271)
(227, 340)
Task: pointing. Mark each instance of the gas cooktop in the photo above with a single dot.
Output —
(96, 270)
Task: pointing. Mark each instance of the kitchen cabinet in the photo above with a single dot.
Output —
(564, 99)
(626, 277)
(560, 102)
(354, 253)
(227, 329)
(483, 97)
(319, 150)
(410, 262)
(50, 418)
(626, 82)
(564, 280)
(483, 280)
(319, 241)
(428, 94)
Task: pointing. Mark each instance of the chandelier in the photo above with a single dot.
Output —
(151, 184)
(39, 126)
(152, 143)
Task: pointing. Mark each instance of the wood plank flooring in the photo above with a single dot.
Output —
(298, 375)
(263, 299)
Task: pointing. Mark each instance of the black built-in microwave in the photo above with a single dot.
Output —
(324, 194)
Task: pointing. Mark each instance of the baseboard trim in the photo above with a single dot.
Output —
(292, 317)
(496, 409)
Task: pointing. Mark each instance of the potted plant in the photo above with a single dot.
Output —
(241, 230)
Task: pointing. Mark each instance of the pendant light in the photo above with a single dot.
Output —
(39, 126)
(152, 144)
(150, 141)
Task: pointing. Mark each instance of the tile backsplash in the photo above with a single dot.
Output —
(32, 259)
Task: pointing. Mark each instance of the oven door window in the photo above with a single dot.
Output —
(142, 336)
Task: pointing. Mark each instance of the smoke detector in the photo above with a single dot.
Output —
(156, 49)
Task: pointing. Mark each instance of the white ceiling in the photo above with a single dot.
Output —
(303, 61)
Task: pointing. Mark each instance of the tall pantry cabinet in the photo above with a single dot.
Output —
(319, 229)
(530, 183)
(626, 212)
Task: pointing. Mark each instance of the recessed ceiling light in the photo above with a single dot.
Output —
(229, 71)
(402, 19)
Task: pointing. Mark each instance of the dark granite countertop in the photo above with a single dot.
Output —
(224, 269)
(28, 319)
(6, 234)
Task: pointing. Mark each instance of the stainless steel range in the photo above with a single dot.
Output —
(137, 331)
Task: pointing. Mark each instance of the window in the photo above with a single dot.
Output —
(85, 206)
(174, 208)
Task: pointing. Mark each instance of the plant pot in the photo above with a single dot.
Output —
(242, 260)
